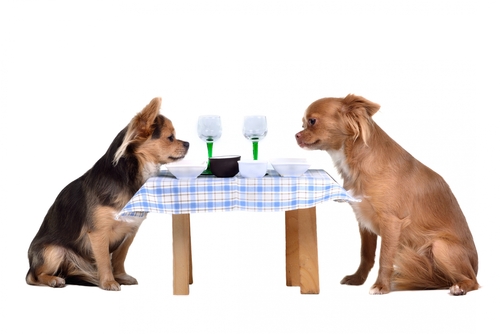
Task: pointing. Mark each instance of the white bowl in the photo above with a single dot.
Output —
(186, 169)
(290, 167)
(252, 168)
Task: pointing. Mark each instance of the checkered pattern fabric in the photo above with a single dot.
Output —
(166, 194)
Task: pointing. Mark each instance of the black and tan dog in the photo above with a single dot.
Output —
(81, 238)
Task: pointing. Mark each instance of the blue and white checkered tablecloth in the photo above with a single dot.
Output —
(166, 194)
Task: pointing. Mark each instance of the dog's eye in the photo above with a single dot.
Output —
(312, 121)
(171, 138)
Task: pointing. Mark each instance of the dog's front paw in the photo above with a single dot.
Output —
(353, 280)
(110, 286)
(125, 279)
(379, 289)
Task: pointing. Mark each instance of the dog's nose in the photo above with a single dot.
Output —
(298, 138)
(185, 144)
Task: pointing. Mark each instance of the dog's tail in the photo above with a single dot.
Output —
(80, 271)
(31, 277)
(440, 264)
(416, 270)
(72, 268)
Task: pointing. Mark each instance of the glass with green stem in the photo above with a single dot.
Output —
(255, 129)
(209, 130)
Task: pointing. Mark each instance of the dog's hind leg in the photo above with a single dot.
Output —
(453, 262)
(45, 267)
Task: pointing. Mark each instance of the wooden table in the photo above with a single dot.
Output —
(297, 197)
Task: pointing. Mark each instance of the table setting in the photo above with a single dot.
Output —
(254, 128)
(227, 183)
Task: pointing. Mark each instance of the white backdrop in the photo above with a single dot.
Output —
(72, 74)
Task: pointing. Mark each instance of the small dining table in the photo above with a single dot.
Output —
(296, 196)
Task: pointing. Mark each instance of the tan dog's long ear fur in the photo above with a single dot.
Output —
(140, 128)
(358, 112)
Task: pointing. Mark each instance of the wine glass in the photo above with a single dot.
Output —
(209, 130)
(255, 129)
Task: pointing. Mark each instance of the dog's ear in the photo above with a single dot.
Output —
(143, 121)
(358, 112)
(358, 104)
(140, 128)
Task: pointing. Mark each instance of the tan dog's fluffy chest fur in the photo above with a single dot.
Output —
(426, 242)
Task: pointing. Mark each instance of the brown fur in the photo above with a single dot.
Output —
(426, 242)
(81, 239)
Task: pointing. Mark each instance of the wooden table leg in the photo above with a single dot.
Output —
(292, 248)
(302, 250)
(182, 260)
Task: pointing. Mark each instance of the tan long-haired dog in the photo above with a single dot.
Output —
(81, 239)
(425, 240)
